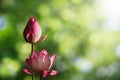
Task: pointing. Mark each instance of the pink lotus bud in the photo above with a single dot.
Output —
(41, 63)
(32, 31)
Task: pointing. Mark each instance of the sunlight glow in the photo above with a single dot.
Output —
(118, 50)
(83, 65)
(107, 70)
(9, 67)
(110, 9)
(3, 23)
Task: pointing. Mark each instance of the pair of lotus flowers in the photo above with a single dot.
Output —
(39, 62)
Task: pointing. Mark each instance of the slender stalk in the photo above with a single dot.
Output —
(32, 76)
(31, 48)
(41, 78)
(31, 52)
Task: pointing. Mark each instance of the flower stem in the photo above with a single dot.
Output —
(41, 78)
(31, 48)
(31, 53)
(32, 76)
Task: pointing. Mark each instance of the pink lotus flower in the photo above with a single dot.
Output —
(40, 63)
(32, 31)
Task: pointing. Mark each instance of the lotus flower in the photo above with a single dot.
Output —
(32, 31)
(40, 63)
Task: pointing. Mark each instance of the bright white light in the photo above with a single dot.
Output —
(9, 67)
(110, 9)
(102, 71)
(84, 65)
(3, 22)
(118, 51)
(107, 71)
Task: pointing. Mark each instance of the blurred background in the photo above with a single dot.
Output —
(84, 34)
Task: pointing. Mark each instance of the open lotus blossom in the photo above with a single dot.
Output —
(41, 63)
(32, 31)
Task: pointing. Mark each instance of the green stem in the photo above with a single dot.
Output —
(32, 76)
(31, 53)
(31, 48)
(41, 78)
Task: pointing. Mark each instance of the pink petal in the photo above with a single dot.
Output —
(53, 72)
(28, 71)
(46, 61)
(33, 54)
(43, 52)
(31, 38)
(37, 31)
(40, 63)
(45, 73)
(28, 62)
(34, 64)
(27, 37)
(52, 59)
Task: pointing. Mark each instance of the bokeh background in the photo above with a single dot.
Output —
(84, 34)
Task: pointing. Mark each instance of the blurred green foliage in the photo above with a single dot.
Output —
(86, 48)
